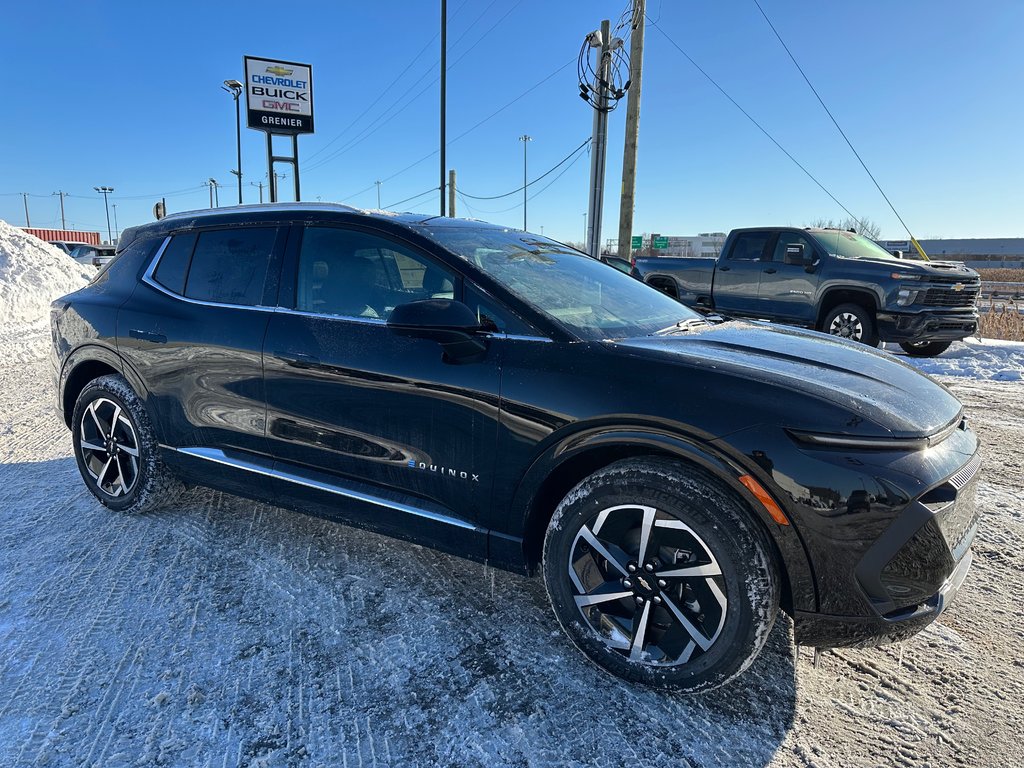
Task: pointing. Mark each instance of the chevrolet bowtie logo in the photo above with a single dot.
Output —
(279, 71)
(958, 287)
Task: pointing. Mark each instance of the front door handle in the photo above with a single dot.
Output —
(156, 338)
(298, 359)
(770, 271)
(724, 269)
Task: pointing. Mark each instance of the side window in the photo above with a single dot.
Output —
(491, 315)
(749, 246)
(356, 274)
(173, 266)
(791, 238)
(229, 266)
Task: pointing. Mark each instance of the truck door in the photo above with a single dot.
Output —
(738, 274)
(787, 291)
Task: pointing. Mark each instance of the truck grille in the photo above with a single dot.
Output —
(948, 297)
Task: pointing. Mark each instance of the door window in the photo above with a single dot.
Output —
(492, 316)
(787, 239)
(173, 266)
(357, 274)
(749, 246)
(229, 266)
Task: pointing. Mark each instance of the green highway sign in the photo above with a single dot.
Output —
(660, 242)
(638, 241)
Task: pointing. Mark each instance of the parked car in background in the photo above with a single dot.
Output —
(66, 245)
(94, 255)
(508, 399)
(829, 280)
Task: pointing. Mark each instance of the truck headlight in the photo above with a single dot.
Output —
(906, 297)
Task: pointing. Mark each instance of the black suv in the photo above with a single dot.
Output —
(503, 397)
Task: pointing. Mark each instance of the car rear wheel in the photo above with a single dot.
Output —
(658, 573)
(925, 348)
(116, 450)
(853, 322)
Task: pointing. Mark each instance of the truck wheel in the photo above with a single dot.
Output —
(658, 573)
(853, 322)
(925, 348)
(116, 450)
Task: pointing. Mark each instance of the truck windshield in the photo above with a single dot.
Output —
(849, 245)
(594, 300)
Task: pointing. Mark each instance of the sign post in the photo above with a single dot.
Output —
(279, 102)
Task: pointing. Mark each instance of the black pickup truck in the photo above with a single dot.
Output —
(830, 280)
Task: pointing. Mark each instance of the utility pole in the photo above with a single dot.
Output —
(525, 139)
(629, 150)
(24, 198)
(117, 232)
(62, 195)
(235, 88)
(585, 227)
(214, 195)
(106, 191)
(444, 72)
(599, 143)
(451, 193)
(260, 185)
(378, 183)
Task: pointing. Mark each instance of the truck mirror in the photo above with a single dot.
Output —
(794, 255)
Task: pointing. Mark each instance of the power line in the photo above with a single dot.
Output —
(536, 194)
(833, 119)
(750, 118)
(530, 184)
(431, 191)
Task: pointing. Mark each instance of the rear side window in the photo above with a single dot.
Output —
(229, 266)
(787, 239)
(749, 246)
(173, 266)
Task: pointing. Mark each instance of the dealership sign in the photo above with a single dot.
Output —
(278, 96)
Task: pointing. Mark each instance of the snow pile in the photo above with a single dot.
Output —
(32, 274)
(974, 358)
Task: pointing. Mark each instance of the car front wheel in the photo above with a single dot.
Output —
(925, 348)
(659, 574)
(853, 322)
(116, 450)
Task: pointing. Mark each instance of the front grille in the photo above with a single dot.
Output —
(969, 470)
(958, 519)
(947, 297)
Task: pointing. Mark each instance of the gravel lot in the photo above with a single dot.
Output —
(220, 632)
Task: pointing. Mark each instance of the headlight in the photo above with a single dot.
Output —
(906, 297)
(906, 276)
(878, 443)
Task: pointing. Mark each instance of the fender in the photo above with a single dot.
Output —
(641, 440)
(93, 351)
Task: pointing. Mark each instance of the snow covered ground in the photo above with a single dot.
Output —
(973, 358)
(220, 632)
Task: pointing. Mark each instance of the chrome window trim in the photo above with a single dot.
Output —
(328, 316)
(518, 337)
(219, 457)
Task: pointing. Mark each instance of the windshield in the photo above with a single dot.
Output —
(849, 245)
(593, 299)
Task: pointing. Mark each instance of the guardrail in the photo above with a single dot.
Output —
(991, 290)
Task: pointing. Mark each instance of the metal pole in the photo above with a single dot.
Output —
(444, 72)
(451, 193)
(295, 155)
(61, 194)
(598, 145)
(378, 183)
(24, 198)
(271, 176)
(110, 237)
(629, 150)
(524, 138)
(584, 227)
(115, 220)
(238, 144)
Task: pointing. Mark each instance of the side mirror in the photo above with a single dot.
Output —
(451, 324)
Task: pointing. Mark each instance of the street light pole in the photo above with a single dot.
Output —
(378, 183)
(235, 88)
(106, 191)
(524, 138)
(114, 206)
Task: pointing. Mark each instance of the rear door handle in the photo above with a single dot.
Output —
(724, 269)
(157, 338)
(298, 359)
(770, 271)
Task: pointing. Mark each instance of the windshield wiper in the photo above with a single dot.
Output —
(682, 326)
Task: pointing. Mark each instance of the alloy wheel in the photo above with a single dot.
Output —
(110, 447)
(648, 585)
(847, 325)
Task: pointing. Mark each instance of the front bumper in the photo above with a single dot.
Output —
(927, 325)
(824, 631)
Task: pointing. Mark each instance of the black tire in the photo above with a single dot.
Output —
(853, 322)
(722, 640)
(116, 450)
(925, 348)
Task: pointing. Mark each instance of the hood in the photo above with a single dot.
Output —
(926, 269)
(882, 395)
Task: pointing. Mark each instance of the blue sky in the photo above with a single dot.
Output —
(128, 95)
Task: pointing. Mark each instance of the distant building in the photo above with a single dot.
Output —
(977, 252)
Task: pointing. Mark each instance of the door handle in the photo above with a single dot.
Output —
(724, 269)
(770, 271)
(298, 359)
(157, 338)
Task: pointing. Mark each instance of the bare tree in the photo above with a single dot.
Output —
(864, 226)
